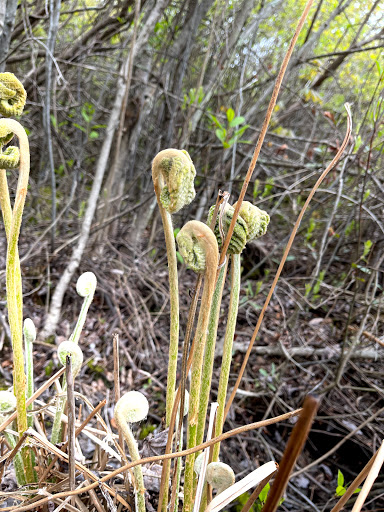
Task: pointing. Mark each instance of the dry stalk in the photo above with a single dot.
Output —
(292, 451)
(286, 252)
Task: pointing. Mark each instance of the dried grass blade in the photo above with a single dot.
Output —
(372, 475)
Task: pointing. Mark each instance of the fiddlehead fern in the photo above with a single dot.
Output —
(175, 169)
(257, 220)
(173, 173)
(132, 407)
(240, 233)
(12, 220)
(198, 246)
(69, 348)
(220, 476)
(63, 350)
(12, 95)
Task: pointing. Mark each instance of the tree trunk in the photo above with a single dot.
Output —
(7, 21)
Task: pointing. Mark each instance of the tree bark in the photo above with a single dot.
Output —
(7, 21)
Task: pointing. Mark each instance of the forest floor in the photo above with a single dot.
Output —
(132, 300)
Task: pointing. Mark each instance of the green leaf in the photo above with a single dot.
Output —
(340, 478)
(357, 490)
(216, 121)
(263, 372)
(264, 493)
(175, 232)
(367, 248)
(239, 133)
(230, 115)
(179, 257)
(221, 134)
(93, 135)
(235, 122)
(379, 68)
(54, 121)
(80, 127)
(340, 490)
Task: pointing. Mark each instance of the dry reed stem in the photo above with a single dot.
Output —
(340, 443)
(286, 252)
(372, 475)
(293, 449)
(264, 128)
(156, 458)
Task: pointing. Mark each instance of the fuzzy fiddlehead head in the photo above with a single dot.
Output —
(29, 331)
(220, 476)
(12, 95)
(131, 407)
(173, 175)
(7, 403)
(10, 157)
(257, 220)
(69, 348)
(86, 284)
(197, 245)
(240, 233)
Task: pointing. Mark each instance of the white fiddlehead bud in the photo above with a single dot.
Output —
(7, 403)
(29, 330)
(132, 406)
(220, 476)
(86, 284)
(69, 348)
(173, 175)
(85, 287)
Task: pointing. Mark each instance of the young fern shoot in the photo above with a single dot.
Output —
(173, 174)
(64, 349)
(12, 101)
(85, 287)
(198, 246)
(254, 223)
(130, 408)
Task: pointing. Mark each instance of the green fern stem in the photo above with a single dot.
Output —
(17, 460)
(199, 248)
(13, 280)
(210, 353)
(227, 350)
